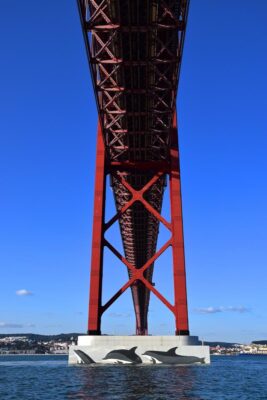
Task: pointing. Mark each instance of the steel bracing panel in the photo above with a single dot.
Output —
(134, 49)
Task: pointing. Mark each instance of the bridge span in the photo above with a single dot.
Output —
(134, 49)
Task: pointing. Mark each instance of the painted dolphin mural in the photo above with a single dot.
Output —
(83, 358)
(170, 357)
(123, 356)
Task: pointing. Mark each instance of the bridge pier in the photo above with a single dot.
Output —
(138, 274)
(135, 57)
(171, 350)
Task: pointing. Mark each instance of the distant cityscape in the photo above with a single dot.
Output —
(259, 347)
(59, 344)
(31, 345)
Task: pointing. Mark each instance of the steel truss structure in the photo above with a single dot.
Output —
(134, 49)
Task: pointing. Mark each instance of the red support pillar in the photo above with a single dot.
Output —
(95, 311)
(179, 308)
(179, 276)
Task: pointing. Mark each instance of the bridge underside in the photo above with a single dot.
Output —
(134, 49)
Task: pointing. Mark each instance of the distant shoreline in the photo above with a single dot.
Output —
(36, 354)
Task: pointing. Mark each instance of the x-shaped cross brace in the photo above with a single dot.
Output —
(138, 273)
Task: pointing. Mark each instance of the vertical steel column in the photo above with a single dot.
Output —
(94, 318)
(179, 276)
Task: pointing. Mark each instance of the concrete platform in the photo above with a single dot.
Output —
(179, 350)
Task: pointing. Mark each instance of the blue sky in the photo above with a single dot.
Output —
(47, 153)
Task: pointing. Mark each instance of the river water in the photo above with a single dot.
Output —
(50, 377)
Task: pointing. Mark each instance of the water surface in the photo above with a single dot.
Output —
(50, 377)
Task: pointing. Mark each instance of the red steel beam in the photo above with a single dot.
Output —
(94, 318)
(181, 311)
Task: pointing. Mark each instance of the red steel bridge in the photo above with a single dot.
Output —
(134, 49)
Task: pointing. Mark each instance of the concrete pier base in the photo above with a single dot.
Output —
(177, 350)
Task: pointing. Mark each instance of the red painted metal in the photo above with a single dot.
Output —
(179, 309)
(94, 319)
(180, 296)
(134, 49)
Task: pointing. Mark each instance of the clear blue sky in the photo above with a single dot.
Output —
(48, 131)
